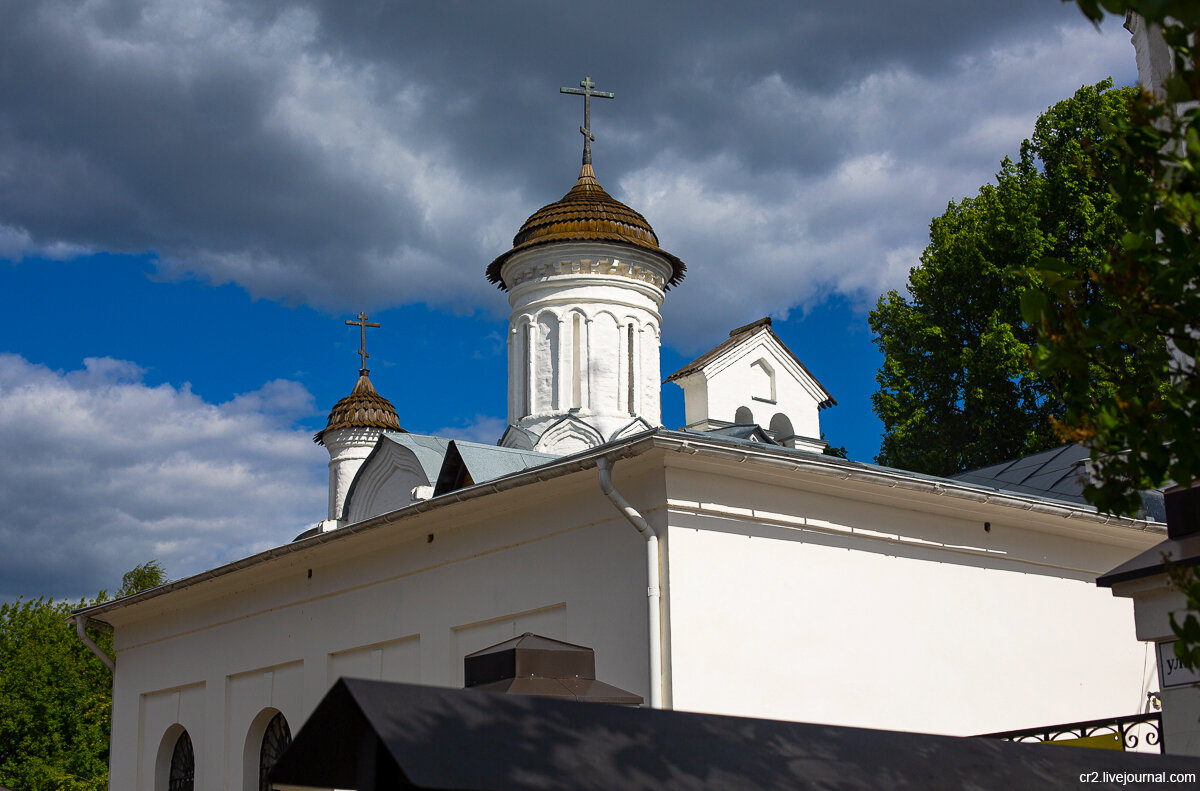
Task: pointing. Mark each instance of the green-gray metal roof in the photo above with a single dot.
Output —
(469, 463)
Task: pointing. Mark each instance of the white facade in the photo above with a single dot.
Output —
(1153, 56)
(583, 344)
(753, 378)
(793, 586)
(1155, 599)
(348, 449)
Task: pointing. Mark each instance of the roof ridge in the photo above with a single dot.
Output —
(764, 321)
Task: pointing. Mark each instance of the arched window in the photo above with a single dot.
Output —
(781, 425)
(183, 765)
(275, 740)
(762, 381)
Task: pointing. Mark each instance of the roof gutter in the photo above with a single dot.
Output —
(780, 458)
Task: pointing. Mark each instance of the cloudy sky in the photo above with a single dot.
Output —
(194, 194)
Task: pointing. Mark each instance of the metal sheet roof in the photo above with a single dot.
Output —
(1059, 473)
(430, 451)
(373, 735)
(470, 463)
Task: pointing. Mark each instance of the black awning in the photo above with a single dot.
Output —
(372, 735)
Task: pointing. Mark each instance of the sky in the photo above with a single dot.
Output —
(196, 194)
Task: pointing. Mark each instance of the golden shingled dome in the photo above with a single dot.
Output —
(363, 408)
(586, 213)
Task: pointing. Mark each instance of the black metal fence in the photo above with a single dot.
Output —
(1135, 731)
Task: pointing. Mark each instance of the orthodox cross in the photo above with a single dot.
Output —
(587, 93)
(362, 325)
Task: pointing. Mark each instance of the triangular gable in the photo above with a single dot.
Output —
(517, 437)
(742, 342)
(414, 459)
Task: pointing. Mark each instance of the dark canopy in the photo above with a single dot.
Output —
(370, 734)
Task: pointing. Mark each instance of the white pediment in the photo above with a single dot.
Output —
(385, 482)
(753, 378)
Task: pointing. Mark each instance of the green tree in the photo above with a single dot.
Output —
(956, 390)
(55, 695)
(1141, 429)
(142, 577)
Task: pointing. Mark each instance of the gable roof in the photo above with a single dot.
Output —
(429, 450)
(470, 463)
(736, 338)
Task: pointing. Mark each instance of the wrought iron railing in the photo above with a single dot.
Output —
(1137, 730)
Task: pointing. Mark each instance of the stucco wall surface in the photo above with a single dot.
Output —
(802, 604)
(388, 604)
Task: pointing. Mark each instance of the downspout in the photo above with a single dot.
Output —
(604, 466)
(81, 630)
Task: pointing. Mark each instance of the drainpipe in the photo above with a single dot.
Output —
(81, 630)
(604, 466)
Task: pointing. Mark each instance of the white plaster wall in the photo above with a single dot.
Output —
(800, 605)
(251, 699)
(695, 398)
(1154, 600)
(160, 713)
(387, 604)
(739, 382)
(1153, 56)
(348, 449)
(786, 595)
(386, 483)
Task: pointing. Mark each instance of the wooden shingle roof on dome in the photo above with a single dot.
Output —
(586, 213)
(363, 408)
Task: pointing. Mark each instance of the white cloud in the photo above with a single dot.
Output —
(900, 143)
(481, 428)
(102, 471)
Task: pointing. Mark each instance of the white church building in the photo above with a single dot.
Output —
(728, 566)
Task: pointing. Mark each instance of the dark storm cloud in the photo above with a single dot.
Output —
(354, 154)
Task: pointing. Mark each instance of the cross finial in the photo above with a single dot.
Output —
(587, 93)
(362, 325)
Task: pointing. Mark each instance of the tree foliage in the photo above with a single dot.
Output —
(1141, 432)
(956, 390)
(55, 695)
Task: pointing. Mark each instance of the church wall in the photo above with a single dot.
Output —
(766, 383)
(389, 604)
(907, 616)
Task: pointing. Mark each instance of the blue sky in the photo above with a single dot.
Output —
(195, 194)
